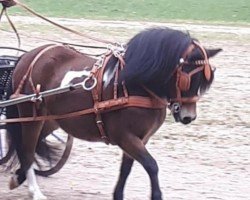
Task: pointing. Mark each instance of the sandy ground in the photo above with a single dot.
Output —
(209, 159)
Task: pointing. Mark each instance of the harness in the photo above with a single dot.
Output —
(94, 81)
(183, 79)
(116, 103)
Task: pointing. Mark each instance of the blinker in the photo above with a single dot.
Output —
(184, 81)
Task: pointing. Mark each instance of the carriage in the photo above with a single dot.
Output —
(61, 141)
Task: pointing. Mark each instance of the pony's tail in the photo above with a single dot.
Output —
(14, 133)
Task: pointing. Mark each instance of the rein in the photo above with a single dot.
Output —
(59, 42)
(51, 22)
(4, 11)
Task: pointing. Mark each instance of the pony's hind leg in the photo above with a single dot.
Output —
(29, 139)
(126, 166)
(34, 190)
(135, 148)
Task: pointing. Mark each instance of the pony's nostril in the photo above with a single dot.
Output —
(186, 120)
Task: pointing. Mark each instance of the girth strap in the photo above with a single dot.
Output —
(98, 72)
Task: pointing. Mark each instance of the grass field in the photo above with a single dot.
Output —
(222, 11)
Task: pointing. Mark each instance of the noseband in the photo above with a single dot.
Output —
(183, 79)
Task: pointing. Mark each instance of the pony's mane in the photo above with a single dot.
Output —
(153, 54)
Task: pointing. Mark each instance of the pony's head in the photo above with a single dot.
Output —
(193, 77)
(172, 65)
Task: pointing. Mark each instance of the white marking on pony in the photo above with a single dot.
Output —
(109, 74)
(34, 190)
(188, 110)
(69, 76)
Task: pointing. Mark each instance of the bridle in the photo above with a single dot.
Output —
(183, 79)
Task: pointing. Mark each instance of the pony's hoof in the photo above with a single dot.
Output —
(13, 183)
(37, 195)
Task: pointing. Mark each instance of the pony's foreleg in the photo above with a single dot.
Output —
(135, 147)
(126, 166)
(34, 190)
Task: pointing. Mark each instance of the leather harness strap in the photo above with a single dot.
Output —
(97, 92)
(29, 72)
(205, 67)
(103, 107)
(97, 95)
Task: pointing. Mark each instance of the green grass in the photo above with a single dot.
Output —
(222, 11)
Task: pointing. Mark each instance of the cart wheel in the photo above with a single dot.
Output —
(60, 142)
(6, 147)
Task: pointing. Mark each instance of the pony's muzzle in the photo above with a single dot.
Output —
(187, 113)
(187, 120)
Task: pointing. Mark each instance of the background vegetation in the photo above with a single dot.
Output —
(222, 11)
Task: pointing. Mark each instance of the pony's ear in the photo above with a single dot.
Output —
(197, 54)
(212, 52)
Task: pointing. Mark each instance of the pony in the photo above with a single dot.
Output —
(160, 64)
